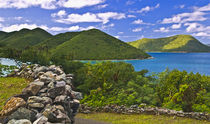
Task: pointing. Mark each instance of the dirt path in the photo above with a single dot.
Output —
(87, 121)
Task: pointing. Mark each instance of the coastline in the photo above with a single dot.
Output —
(116, 59)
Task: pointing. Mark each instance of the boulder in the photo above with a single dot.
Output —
(23, 121)
(12, 105)
(32, 89)
(55, 115)
(23, 113)
(57, 91)
(77, 95)
(41, 120)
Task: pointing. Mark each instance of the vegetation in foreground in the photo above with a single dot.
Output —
(10, 86)
(139, 119)
(177, 43)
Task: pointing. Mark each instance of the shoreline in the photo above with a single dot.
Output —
(115, 59)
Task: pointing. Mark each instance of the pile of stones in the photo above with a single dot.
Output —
(143, 109)
(49, 98)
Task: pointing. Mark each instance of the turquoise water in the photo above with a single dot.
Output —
(191, 62)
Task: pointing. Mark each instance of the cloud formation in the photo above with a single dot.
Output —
(91, 17)
(48, 4)
(137, 30)
(148, 8)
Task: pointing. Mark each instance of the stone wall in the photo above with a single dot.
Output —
(135, 109)
(49, 98)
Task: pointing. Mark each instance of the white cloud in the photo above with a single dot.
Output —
(137, 30)
(162, 29)
(108, 26)
(120, 33)
(148, 8)
(197, 15)
(186, 17)
(60, 13)
(176, 26)
(17, 27)
(202, 34)
(131, 16)
(204, 8)
(48, 4)
(91, 17)
(18, 18)
(102, 6)
(117, 36)
(140, 22)
(2, 19)
(196, 27)
(78, 3)
(45, 4)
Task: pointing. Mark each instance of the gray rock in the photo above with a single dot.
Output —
(23, 113)
(60, 99)
(36, 105)
(61, 77)
(77, 95)
(22, 121)
(55, 115)
(41, 84)
(57, 91)
(51, 85)
(68, 88)
(41, 120)
(60, 84)
(40, 100)
(32, 89)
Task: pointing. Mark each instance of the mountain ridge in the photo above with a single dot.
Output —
(177, 43)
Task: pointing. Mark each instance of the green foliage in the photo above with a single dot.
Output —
(182, 90)
(115, 83)
(177, 43)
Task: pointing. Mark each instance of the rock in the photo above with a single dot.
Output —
(60, 99)
(61, 77)
(68, 88)
(45, 79)
(51, 85)
(36, 105)
(41, 120)
(60, 84)
(23, 113)
(41, 69)
(41, 84)
(57, 91)
(55, 115)
(23, 121)
(77, 95)
(12, 105)
(50, 74)
(32, 89)
(38, 102)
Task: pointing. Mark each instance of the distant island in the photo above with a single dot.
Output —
(177, 43)
(85, 45)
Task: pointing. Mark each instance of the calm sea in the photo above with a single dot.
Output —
(191, 62)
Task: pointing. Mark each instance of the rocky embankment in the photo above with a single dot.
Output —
(135, 109)
(48, 99)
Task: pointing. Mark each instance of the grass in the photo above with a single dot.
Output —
(10, 86)
(139, 119)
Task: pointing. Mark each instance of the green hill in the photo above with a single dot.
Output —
(177, 43)
(23, 38)
(96, 45)
(56, 40)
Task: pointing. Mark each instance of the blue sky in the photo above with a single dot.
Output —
(127, 20)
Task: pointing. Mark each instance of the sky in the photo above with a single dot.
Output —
(127, 20)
